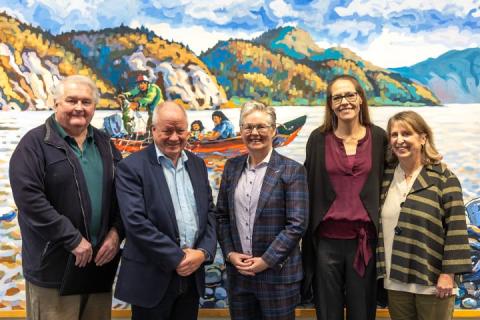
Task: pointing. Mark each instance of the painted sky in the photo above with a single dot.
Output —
(389, 33)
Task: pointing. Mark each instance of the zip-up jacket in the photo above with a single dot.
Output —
(53, 203)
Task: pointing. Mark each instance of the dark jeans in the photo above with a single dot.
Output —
(180, 302)
(337, 285)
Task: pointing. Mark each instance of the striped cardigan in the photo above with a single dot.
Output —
(431, 234)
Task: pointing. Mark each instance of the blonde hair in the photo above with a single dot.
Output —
(430, 154)
(252, 106)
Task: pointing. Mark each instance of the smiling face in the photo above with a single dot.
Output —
(75, 108)
(345, 101)
(195, 127)
(257, 132)
(170, 131)
(406, 144)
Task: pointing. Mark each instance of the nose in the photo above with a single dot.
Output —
(400, 138)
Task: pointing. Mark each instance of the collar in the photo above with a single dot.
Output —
(265, 161)
(160, 154)
(64, 135)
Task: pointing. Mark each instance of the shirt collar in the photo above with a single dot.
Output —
(264, 162)
(183, 156)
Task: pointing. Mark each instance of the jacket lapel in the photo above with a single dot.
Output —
(163, 190)
(236, 171)
(269, 181)
(194, 174)
(423, 181)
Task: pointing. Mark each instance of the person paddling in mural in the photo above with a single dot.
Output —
(146, 96)
(223, 127)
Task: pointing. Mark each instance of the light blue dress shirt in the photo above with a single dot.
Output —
(183, 198)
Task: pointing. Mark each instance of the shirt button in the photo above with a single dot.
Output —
(247, 237)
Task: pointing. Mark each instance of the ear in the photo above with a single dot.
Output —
(424, 138)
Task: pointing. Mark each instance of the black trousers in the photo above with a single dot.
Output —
(180, 302)
(337, 285)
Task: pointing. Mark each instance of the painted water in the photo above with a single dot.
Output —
(456, 131)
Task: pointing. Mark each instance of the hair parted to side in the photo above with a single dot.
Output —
(413, 120)
(59, 89)
(163, 105)
(252, 106)
(330, 121)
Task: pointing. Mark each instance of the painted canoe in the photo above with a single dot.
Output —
(286, 133)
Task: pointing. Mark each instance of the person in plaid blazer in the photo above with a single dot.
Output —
(262, 213)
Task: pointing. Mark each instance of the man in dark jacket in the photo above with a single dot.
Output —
(61, 175)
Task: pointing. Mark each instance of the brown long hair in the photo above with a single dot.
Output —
(330, 120)
(430, 154)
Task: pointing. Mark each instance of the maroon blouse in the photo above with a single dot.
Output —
(347, 218)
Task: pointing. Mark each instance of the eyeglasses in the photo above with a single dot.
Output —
(74, 101)
(350, 96)
(261, 127)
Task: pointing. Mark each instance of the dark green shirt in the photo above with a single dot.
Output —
(92, 167)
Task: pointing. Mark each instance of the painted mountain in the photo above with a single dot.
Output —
(249, 71)
(454, 77)
(120, 54)
(31, 62)
(287, 65)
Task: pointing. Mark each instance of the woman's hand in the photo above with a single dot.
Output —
(445, 285)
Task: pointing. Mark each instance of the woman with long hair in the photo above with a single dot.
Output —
(345, 163)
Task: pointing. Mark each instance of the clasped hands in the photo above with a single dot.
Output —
(192, 260)
(84, 252)
(246, 264)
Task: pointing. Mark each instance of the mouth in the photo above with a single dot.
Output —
(345, 108)
(254, 140)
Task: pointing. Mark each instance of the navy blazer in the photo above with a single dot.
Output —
(280, 220)
(152, 248)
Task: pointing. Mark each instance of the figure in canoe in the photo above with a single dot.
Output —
(223, 129)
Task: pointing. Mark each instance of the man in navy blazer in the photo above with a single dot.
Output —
(166, 204)
(262, 213)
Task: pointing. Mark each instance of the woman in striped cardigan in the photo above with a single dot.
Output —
(423, 240)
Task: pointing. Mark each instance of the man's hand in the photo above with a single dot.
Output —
(192, 260)
(83, 253)
(257, 265)
(444, 285)
(109, 248)
(241, 262)
(121, 96)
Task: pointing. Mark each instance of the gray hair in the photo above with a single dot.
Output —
(59, 89)
(161, 106)
(252, 106)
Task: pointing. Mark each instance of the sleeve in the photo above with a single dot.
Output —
(149, 98)
(158, 247)
(209, 239)
(222, 215)
(456, 254)
(132, 93)
(296, 214)
(27, 171)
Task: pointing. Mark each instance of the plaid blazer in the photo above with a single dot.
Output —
(280, 220)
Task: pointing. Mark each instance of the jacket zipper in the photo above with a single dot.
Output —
(78, 190)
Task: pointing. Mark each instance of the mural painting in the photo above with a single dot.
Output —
(210, 57)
